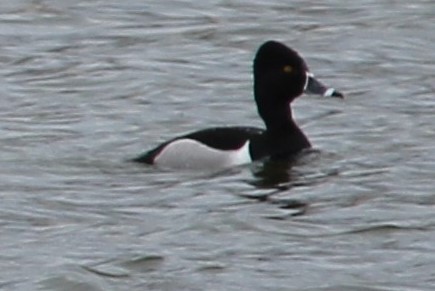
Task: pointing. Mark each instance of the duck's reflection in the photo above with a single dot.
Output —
(270, 179)
(272, 174)
(273, 180)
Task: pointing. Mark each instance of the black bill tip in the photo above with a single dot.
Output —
(337, 94)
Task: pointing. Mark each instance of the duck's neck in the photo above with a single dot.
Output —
(277, 114)
(277, 117)
(280, 124)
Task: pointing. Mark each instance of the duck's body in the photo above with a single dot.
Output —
(218, 147)
(280, 75)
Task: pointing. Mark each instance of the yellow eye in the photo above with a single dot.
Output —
(287, 69)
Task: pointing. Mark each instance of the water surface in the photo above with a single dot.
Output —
(86, 85)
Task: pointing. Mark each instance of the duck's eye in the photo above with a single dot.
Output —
(287, 69)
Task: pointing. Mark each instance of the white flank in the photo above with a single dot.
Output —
(191, 154)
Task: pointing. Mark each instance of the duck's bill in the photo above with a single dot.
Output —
(313, 86)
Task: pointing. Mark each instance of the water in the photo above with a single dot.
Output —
(85, 85)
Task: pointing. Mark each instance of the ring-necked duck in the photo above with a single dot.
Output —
(280, 75)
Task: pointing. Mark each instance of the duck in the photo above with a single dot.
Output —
(280, 76)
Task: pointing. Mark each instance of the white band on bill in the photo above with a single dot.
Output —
(329, 92)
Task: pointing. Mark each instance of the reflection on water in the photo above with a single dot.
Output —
(274, 180)
(86, 85)
(285, 174)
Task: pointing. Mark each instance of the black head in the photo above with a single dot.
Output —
(279, 72)
(280, 76)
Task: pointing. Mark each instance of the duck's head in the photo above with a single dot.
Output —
(281, 74)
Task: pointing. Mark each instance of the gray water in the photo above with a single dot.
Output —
(86, 85)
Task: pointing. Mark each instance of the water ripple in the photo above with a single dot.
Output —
(87, 85)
